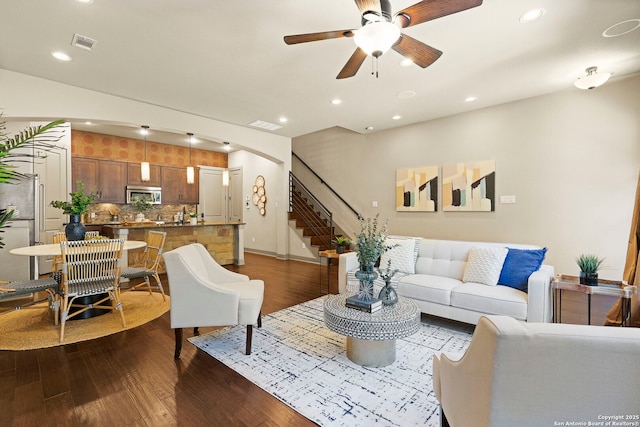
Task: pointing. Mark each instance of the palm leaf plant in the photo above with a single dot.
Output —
(23, 148)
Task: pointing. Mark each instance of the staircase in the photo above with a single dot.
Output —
(309, 215)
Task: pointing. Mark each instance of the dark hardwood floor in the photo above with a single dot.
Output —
(131, 379)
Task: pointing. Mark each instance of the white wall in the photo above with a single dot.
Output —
(571, 159)
(261, 232)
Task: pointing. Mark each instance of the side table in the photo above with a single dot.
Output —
(326, 258)
(371, 337)
(605, 287)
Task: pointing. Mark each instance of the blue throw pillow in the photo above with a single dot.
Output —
(518, 266)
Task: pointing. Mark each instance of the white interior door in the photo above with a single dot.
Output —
(235, 194)
(212, 195)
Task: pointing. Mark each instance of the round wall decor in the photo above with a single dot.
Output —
(259, 196)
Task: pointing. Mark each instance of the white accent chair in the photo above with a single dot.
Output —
(204, 293)
(537, 374)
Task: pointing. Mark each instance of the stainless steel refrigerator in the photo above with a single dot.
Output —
(23, 229)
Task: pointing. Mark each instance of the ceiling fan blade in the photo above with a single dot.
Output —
(353, 64)
(427, 10)
(369, 6)
(313, 37)
(420, 53)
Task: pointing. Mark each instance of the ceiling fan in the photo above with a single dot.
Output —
(380, 31)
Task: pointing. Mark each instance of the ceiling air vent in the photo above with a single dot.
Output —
(83, 42)
(264, 125)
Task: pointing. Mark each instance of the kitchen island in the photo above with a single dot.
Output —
(224, 241)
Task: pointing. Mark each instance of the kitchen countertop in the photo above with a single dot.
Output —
(161, 224)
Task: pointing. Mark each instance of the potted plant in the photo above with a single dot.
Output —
(341, 242)
(75, 208)
(141, 205)
(193, 218)
(370, 245)
(589, 265)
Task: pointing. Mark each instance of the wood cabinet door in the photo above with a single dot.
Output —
(87, 171)
(133, 175)
(191, 191)
(173, 180)
(113, 181)
(175, 189)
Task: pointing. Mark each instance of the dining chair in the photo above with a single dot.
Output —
(148, 267)
(90, 267)
(203, 293)
(56, 261)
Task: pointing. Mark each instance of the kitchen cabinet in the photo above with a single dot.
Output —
(107, 178)
(175, 189)
(134, 177)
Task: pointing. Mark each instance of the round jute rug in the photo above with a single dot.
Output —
(33, 327)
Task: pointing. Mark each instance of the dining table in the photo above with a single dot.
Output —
(53, 249)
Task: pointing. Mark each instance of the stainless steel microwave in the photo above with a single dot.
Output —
(153, 194)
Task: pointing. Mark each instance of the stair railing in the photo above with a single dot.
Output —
(322, 181)
(315, 217)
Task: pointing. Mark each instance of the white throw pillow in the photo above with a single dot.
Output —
(403, 256)
(484, 265)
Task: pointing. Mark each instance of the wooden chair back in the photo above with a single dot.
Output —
(86, 261)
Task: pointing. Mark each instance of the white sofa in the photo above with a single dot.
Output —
(536, 374)
(436, 282)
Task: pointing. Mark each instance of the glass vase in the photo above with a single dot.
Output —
(387, 294)
(366, 275)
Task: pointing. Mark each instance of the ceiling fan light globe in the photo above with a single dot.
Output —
(377, 37)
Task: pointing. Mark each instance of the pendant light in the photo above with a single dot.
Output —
(191, 176)
(145, 170)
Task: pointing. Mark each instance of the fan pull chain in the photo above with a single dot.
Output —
(374, 66)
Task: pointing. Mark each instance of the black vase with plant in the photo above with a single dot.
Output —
(589, 265)
(75, 208)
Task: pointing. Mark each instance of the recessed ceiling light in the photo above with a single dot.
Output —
(396, 117)
(622, 28)
(85, 1)
(61, 56)
(406, 62)
(88, 123)
(336, 101)
(369, 128)
(470, 99)
(144, 130)
(226, 146)
(531, 15)
(283, 120)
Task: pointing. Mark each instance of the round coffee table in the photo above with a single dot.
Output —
(371, 337)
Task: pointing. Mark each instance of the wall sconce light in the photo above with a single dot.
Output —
(145, 169)
(225, 177)
(592, 80)
(191, 174)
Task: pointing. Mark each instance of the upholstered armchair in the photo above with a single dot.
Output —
(537, 374)
(203, 293)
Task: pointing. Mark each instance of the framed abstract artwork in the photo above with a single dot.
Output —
(417, 189)
(469, 187)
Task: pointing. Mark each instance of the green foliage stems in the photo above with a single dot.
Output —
(589, 263)
(370, 240)
(79, 203)
(141, 204)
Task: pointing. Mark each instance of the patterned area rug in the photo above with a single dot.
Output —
(298, 360)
